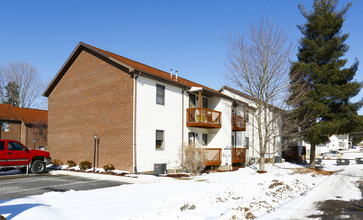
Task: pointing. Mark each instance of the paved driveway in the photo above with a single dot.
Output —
(18, 186)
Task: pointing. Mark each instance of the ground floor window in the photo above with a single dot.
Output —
(233, 140)
(159, 140)
(205, 139)
(192, 138)
(247, 142)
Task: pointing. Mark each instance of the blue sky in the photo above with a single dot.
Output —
(189, 36)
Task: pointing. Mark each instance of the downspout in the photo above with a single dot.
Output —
(134, 122)
(182, 144)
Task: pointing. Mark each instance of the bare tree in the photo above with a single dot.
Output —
(193, 158)
(40, 132)
(258, 65)
(2, 86)
(26, 77)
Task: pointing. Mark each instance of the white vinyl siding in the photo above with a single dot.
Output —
(151, 117)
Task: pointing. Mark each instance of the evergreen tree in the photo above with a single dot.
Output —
(329, 85)
(12, 94)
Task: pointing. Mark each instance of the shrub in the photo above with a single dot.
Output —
(108, 167)
(193, 159)
(2, 217)
(71, 163)
(56, 162)
(85, 165)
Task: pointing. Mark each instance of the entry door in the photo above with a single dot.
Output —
(2, 154)
(17, 154)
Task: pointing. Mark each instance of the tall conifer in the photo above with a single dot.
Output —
(329, 84)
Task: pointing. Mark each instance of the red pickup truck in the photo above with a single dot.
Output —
(15, 154)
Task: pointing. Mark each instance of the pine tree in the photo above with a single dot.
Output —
(330, 86)
(12, 94)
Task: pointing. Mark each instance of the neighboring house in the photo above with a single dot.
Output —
(18, 124)
(141, 115)
(336, 142)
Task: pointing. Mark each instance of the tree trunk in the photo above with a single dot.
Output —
(312, 155)
(262, 162)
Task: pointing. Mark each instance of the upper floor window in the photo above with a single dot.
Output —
(234, 110)
(205, 103)
(160, 94)
(247, 118)
(2, 145)
(5, 126)
(193, 101)
(159, 140)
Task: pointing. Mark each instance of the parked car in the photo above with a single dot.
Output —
(332, 155)
(15, 154)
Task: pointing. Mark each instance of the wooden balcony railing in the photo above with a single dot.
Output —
(238, 155)
(204, 118)
(212, 156)
(238, 123)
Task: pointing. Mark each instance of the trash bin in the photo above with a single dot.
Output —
(278, 159)
(318, 161)
(343, 162)
(159, 168)
(359, 160)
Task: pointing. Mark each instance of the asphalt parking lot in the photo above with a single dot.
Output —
(22, 185)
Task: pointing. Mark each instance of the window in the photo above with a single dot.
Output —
(15, 146)
(247, 142)
(193, 101)
(247, 116)
(5, 126)
(233, 140)
(192, 137)
(205, 139)
(2, 145)
(234, 110)
(205, 102)
(159, 140)
(160, 94)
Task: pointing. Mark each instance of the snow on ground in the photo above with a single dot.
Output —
(286, 191)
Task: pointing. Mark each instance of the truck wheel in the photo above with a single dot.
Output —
(38, 167)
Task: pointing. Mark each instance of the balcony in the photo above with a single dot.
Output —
(238, 155)
(238, 123)
(203, 118)
(212, 156)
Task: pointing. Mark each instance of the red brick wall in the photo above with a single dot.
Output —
(31, 137)
(14, 131)
(93, 97)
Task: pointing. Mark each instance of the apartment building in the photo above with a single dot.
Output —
(141, 115)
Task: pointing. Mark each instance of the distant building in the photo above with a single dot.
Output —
(18, 124)
(336, 142)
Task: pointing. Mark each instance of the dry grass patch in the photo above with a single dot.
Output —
(305, 170)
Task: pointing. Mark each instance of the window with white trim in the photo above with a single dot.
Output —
(159, 140)
(160, 94)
